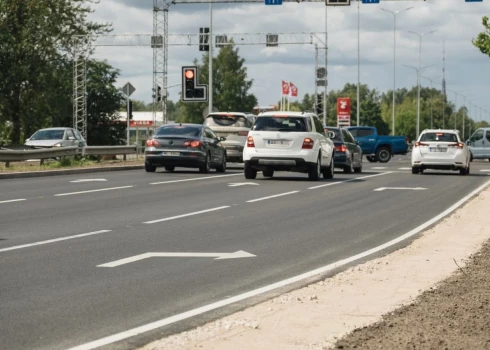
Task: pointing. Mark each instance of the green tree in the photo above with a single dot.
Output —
(34, 35)
(482, 41)
(230, 86)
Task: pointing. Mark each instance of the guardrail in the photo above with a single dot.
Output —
(8, 155)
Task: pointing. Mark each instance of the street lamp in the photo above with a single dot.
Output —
(432, 96)
(418, 96)
(394, 13)
(420, 35)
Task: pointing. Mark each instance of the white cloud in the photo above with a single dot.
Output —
(455, 21)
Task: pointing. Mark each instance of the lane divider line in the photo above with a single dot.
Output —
(193, 179)
(350, 180)
(313, 273)
(53, 240)
(185, 215)
(91, 191)
(12, 200)
(273, 196)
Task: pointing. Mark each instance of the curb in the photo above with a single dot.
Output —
(68, 172)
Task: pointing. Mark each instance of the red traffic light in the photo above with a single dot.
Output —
(189, 74)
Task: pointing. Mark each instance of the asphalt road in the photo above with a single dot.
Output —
(58, 236)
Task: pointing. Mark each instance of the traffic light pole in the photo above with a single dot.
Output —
(127, 120)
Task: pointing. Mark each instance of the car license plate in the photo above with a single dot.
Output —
(171, 154)
(437, 149)
(277, 142)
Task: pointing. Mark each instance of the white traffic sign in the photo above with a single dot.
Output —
(88, 180)
(400, 188)
(216, 256)
(242, 184)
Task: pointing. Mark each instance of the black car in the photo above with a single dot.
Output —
(348, 153)
(185, 145)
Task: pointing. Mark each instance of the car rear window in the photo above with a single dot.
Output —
(439, 137)
(337, 132)
(48, 135)
(181, 130)
(280, 123)
(227, 120)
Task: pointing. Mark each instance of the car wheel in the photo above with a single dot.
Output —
(464, 171)
(383, 155)
(349, 168)
(222, 167)
(415, 170)
(268, 173)
(371, 159)
(206, 166)
(359, 169)
(170, 168)
(150, 168)
(249, 172)
(315, 171)
(329, 172)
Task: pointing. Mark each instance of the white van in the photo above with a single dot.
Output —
(479, 144)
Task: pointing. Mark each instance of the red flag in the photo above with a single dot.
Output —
(285, 88)
(294, 90)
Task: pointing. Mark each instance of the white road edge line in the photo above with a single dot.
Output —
(54, 240)
(206, 308)
(273, 196)
(188, 214)
(12, 200)
(193, 179)
(350, 180)
(90, 191)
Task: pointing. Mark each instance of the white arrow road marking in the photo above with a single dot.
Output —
(350, 180)
(90, 191)
(54, 240)
(12, 200)
(88, 180)
(242, 184)
(400, 188)
(188, 214)
(216, 256)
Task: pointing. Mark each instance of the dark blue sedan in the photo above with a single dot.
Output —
(185, 145)
(348, 153)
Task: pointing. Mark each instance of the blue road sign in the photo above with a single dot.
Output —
(273, 2)
(473, 0)
(370, 1)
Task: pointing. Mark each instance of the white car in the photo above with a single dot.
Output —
(289, 141)
(440, 150)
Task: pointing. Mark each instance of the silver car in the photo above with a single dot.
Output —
(234, 126)
(56, 137)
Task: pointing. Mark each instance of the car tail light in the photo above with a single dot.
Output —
(308, 143)
(250, 141)
(152, 143)
(192, 143)
(341, 148)
(459, 145)
(243, 133)
(419, 144)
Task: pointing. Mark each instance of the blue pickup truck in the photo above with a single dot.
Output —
(376, 147)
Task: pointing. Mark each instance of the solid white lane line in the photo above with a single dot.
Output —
(404, 168)
(274, 196)
(90, 191)
(485, 170)
(185, 215)
(350, 180)
(378, 167)
(53, 240)
(317, 272)
(193, 179)
(12, 200)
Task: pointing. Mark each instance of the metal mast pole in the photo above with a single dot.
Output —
(358, 59)
(210, 41)
(325, 104)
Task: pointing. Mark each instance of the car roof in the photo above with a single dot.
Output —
(447, 131)
(56, 128)
(289, 113)
(226, 113)
(183, 124)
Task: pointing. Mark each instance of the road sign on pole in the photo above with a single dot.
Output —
(273, 2)
(473, 0)
(128, 90)
(370, 1)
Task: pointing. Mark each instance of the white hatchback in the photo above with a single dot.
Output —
(288, 141)
(440, 150)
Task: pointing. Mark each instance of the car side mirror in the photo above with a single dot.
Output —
(28, 140)
(71, 138)
(330, 134)
(357, 142)
(222, 138)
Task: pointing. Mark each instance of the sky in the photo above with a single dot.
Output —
(454, 22)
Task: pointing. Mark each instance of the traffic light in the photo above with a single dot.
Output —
(159, 93)
(203, 39)
(319, 104)
(130, 109)
(191, 90)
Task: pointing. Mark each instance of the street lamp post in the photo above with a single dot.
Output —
(394, 13)
(418, 95)
(431, 98)
(420, 35)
